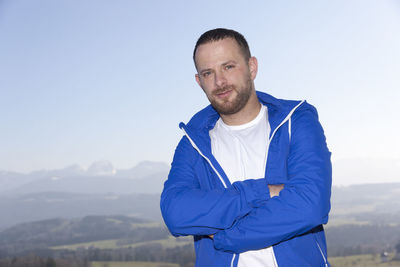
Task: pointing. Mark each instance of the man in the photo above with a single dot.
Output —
(251, 177)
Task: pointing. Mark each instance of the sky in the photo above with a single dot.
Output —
(82, 81)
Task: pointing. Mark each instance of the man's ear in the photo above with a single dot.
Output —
(253, 67)
(197, 79)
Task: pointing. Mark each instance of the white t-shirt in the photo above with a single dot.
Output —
(242, 151)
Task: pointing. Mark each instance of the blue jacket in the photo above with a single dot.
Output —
(199, 200)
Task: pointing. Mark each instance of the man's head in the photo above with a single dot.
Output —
(219, 34)
(226, 71)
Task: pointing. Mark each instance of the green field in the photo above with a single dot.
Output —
(131, 264)
(362, 261)
(112, 244)
(348, 261)
(102, 244)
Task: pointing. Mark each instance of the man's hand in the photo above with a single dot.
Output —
(274, 189)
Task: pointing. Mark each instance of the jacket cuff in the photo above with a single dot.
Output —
(223, 243)
(255, 191)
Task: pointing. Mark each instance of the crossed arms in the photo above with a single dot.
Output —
(273, 192)
(245, 216)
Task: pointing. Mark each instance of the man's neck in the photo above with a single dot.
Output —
(246, 114)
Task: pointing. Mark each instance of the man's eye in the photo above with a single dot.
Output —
(206, 74)
(227, 67)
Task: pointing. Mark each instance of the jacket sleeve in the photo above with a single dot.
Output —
(189, 210)
(303, 204)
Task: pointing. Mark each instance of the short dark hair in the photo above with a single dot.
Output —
(220, 34)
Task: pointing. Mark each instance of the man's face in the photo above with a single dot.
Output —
(225, 75)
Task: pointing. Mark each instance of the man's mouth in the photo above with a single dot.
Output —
(223, 93)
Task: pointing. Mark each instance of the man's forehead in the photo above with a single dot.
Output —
(221, 49)
(226, 43)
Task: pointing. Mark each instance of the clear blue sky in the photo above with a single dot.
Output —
(91, 80)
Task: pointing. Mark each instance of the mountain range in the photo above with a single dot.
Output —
(100, 177)
(101, 189)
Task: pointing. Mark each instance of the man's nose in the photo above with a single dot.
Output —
(220, 79)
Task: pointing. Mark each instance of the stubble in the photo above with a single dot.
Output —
(229, 107)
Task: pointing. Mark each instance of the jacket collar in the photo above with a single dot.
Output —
(203, 121)
(197, 130)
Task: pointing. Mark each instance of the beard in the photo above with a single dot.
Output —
(229, 107)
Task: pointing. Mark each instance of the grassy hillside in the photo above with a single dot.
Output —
(131, 264)
(169, 242)
(368, 203)
(108, 231)
(372, 260)
(48, 205)
(361, 239)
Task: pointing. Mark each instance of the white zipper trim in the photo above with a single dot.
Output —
(323, 256)
(208, 160)
(288, 117)
(233, 259)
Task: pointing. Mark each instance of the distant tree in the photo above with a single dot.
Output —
(397, 255)
(51, 262)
